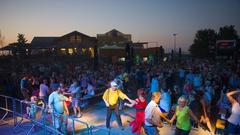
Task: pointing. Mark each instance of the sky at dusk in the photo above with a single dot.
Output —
(146, 20)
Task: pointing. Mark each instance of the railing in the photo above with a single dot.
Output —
(16, 107)
(97, 129)
(40, 117)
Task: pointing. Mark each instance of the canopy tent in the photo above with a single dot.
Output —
(111, 47)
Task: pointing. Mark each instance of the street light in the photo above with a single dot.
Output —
(174, 35)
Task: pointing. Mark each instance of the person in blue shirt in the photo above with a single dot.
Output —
(57, 105)
(165, 101)
(154, 84)
(24, 88)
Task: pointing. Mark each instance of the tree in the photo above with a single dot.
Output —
(203, 43)
(227, 33)
(1, 41)
(21, 39)
(21, 44)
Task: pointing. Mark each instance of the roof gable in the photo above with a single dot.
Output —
(75, 33)
(114, 33)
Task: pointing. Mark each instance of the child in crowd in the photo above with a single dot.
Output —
(31, 108)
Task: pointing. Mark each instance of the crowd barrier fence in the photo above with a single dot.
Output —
(40, 117)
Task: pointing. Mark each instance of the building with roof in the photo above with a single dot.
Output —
(71, 43)
(110, 45)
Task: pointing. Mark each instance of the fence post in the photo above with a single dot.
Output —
(91, 130)
(44, 111)
(14, 111)
(6, 109)
(21, 109)
(73, 127)
(88, 129)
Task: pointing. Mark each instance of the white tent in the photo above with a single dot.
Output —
(111, 47)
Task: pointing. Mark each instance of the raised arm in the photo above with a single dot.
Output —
(230, 98)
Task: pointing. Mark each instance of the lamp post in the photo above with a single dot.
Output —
(174, 35)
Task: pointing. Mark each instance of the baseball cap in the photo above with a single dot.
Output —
(113, 84)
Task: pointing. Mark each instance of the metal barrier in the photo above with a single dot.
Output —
(6, 109)
(39, 117)
(96, 129)
(18, 114)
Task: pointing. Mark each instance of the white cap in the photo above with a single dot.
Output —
(113, 84)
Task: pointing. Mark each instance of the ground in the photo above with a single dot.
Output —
(94, 115)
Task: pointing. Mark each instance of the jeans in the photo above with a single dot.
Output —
(151, 130)
(109, 114)
(59, 122)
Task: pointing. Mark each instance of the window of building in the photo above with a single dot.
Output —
(75, 39)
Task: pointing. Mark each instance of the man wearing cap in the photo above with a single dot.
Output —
(110, 98)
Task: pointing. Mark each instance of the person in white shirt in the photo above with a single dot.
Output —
(75, 93)
(149, 127)
(233, 126)
(90, 90)
(88, 93)
(43, 91)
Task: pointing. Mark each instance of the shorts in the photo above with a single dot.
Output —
(75, 102)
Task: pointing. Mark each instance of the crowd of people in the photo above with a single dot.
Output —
(201, 89)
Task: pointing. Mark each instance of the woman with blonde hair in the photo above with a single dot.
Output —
(182, 114)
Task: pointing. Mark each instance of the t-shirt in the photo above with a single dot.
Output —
(197, 81)
(111, 96)
(148, 111)
(190, 77)
(154, 85)
(84, 82)
(75, 90)
(56, 101)
(181, 73)
(165, 101)
(90, 90)
(23, 84)
(43, 90)
(235, 116)
(183, 118)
